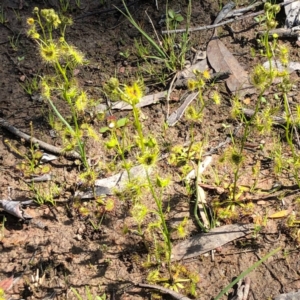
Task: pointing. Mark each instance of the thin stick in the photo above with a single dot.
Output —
(223, 23)
(214, 25)
(43, 145)
(282, 32)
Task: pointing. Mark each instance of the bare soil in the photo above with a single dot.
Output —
(60, 244)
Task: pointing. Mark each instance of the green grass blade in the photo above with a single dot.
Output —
(245, 273)
(147, 37)
(76, 293)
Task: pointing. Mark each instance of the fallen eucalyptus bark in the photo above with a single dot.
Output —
(42, 145)
(145, 101)
(204, 242)
(292, 11)
(115, 183)
(41, 178)
(177, 114)
(15, 208)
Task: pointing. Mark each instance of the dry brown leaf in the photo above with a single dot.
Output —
(222, 60)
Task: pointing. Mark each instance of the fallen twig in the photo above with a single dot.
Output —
(225, 22)
(282, 32)
(164, 290)
(43, 145)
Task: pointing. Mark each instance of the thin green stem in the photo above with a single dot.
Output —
(138, 127)
(120, 150)
(165, 230)
(246, 134)
(42, 27)
(62, 72)
(80, 144)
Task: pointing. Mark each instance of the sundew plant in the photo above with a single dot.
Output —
(63, 58)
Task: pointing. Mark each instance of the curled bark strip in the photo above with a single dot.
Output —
(15, 208)
(43, 145)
